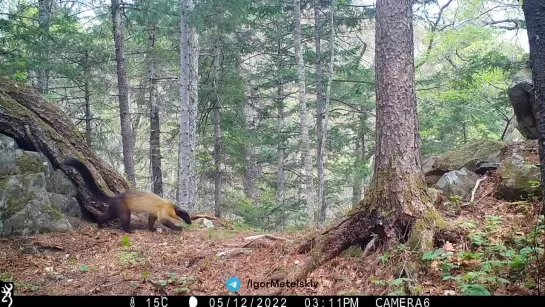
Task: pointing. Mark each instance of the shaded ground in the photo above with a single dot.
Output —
(92, 261)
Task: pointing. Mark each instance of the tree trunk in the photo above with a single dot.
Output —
(534, 13)
(127, 136)
(87, 94)
(186, 176)
(45, 10)
(323, 203)
(357, 187)
(155, 126)
(193, 103)
(217, 133)
(251, 120)
(319, 108)
(397, 198)
(308, 185)
(280, 178)
(41, 126)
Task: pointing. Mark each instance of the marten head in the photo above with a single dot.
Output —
(184, 215)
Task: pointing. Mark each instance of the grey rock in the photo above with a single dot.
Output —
(58, 183)
(8, 164)
(67, 205)
(25, 207)
(460, 182)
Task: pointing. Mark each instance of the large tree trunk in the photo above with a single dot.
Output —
(319, 108)
(40, 126)
(534, 13)
(308, 185)
(217, 133)
(397, 198)
(127, 136)
(155, 126)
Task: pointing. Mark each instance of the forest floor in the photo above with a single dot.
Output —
(92, 261)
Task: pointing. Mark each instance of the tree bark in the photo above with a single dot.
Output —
(357, 187)
(397, 199)
(41, 126)
(251, 120)
(188, 109)
(88, 115)
(45, 10)
(534, 13)
(193, 103)
(127, 136)
(308, 184)
(319, 108)
(155, 126)
(217, 133)
(323, 203)
(280, 178)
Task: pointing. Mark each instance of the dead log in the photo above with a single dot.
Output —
(38, 125)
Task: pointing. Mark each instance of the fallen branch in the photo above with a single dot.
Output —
(476, 187)
(204, 216)
(234, 252)
(268, 236)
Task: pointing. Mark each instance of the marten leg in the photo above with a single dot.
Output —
(124, 215)
(163, 218)
(151, 222)
(168, 223)
(106, 216)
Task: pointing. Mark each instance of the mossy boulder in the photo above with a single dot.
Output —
(58, 183)
(25, 207)
(34, 197)
(30, 162)
(519, 179)
(476, 157)
(67, 205)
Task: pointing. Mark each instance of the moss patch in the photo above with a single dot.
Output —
(30, 163)
(479, 150)
(19, 191)
(54, 212)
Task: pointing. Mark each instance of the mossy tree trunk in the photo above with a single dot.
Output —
(38, 125)
(396, 207)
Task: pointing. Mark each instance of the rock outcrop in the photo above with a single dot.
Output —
(34, 197)
(522, 99)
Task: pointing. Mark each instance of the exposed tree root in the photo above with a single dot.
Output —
(353, 229)
(385, 225)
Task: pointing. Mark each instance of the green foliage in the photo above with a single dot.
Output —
(181, 283)
(499, 263)
(463, 98)
(397, 285)
(125, 241)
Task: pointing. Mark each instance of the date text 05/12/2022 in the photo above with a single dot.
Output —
(316, 301)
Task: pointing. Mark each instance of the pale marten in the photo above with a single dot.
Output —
(121, 205)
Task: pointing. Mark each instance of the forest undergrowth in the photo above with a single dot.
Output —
(491, 251)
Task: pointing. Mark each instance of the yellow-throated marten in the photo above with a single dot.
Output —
(121, 205)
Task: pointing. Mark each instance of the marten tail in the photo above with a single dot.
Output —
(88, 179)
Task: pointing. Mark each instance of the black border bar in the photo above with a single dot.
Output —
(274, 301)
